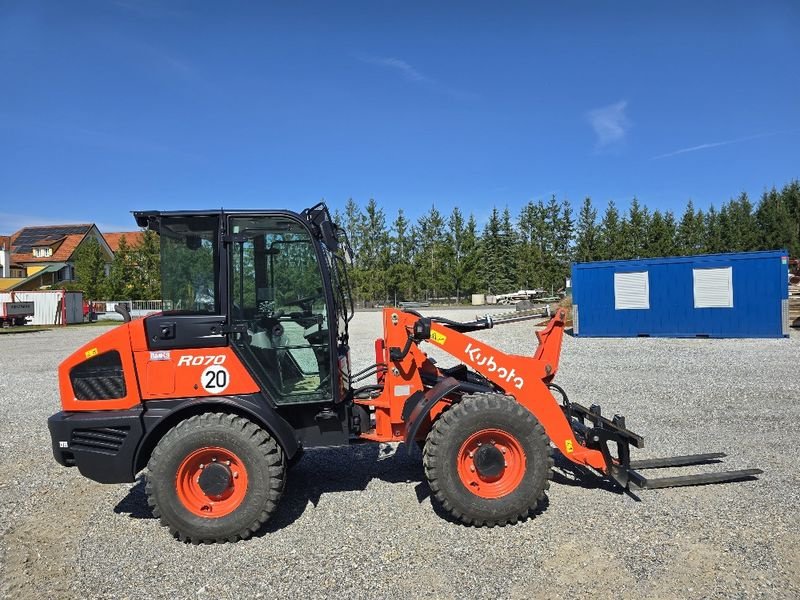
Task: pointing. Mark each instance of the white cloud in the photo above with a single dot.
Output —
(610, 123)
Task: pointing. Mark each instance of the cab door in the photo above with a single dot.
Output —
(278, 303)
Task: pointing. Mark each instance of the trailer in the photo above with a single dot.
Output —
(15, 313)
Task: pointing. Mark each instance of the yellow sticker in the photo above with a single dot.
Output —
(568, 445)
(437, 337)
(91, 353)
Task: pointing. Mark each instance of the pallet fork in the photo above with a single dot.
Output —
(600, 433)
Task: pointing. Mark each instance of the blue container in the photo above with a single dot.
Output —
(743, 294)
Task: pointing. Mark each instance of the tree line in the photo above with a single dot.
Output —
(448, 257)
(134, 272)
(441, 257)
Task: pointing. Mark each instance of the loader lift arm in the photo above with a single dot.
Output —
(582, 435)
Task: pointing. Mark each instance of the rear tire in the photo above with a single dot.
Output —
(235, 499)
(488, 461)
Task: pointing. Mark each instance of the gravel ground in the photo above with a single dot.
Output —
(359, 521)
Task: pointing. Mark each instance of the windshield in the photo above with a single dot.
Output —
(188, 264)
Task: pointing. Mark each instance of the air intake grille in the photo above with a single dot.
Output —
(99, 378)
(107, 440)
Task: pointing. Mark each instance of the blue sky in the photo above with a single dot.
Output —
(113, 106)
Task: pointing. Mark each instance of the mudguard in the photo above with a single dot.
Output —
(160, 416)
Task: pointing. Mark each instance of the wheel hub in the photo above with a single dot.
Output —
(489, 461)
(215, 479)
(211, 482)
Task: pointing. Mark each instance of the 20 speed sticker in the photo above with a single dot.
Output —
(215, 379)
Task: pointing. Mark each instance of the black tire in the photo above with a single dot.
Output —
(261, 456)
(473, 414)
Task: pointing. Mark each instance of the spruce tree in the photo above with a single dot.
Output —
(611, 233)
(455, 252)
(588, 234)
(635, 230)
(691, 231)
(491, 255)
(775, 226)
(400, 280)
(712, 243)
(470, 262)
(660, 236)
(508, 251)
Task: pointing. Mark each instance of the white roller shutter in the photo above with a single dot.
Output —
(631, 290)
(713, 288)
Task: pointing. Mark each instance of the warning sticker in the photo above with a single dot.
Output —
(437, 337)
(215, 379)
(91, 353)
(568, 446)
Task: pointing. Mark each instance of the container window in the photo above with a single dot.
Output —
(713, 288)
(631, 291)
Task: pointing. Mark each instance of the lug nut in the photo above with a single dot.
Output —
(227, 462)
(202, 466)
(214, 460)
(472, 469)
(471, 454)
(503, 450)
(236, 475)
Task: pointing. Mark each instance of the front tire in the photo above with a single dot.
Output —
(215, 477)
(488, 460)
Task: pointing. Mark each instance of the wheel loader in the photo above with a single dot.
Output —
(248, 366)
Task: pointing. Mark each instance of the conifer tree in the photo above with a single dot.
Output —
(691, 231)
(611, 233)
(587, 243)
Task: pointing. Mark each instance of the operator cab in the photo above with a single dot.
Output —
(272, 284)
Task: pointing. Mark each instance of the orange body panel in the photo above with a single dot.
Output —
(117, 339)
(523, 377)
(193, 373)
(157, 375)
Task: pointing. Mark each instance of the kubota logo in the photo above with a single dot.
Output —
(479, 360)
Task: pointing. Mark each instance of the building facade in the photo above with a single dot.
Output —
(43, 257)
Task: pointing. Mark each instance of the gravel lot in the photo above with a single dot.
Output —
(358, 521)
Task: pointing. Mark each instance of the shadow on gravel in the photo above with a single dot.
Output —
(568, 473)
(319, 472)
(332, 470)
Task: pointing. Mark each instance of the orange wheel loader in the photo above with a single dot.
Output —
(248, 366)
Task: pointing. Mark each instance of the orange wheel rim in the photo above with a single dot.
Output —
(491, 463)
(211, 482)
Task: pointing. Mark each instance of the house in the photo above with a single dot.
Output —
(43, 257)
(132, 238)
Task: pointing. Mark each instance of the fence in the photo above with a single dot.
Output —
(106, 311)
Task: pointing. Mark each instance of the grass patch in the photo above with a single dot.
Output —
(24, 329)
(97, 324)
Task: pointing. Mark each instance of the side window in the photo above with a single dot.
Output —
(188, 265)
(277, 292)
